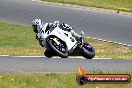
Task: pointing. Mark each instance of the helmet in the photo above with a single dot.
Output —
(37, 25)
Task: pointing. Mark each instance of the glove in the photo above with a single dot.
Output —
(82, 34)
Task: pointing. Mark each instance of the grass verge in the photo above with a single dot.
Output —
(51, 80)
(119, 5)
(20, 40)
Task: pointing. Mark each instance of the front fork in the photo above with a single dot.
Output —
(78, 50)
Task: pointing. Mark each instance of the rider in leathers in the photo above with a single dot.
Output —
(38, 27)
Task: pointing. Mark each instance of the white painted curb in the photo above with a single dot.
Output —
(60, 57)
(53, 57)
(3, 55)
(110, 41)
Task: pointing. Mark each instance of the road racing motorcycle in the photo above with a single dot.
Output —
(59, 42)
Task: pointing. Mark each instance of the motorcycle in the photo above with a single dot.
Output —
(61, 43)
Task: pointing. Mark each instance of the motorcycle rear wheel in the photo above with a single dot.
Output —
(60, 49)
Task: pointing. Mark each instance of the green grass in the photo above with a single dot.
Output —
(20, 40)
(50, 80)
(110, 50)
(122, 5)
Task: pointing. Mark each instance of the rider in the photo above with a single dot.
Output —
(38, 26)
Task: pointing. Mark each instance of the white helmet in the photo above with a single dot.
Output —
(37, 25)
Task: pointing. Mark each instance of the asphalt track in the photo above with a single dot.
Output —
(43, 64)
(107, 26)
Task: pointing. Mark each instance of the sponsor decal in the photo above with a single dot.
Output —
(83, 78)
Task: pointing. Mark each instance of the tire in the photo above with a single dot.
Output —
(51, 42)
(88, 51)
(48, 54)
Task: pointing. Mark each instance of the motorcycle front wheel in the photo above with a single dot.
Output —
(58, 46)
(88, 51)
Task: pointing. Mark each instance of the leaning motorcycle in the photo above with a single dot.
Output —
(61, 43)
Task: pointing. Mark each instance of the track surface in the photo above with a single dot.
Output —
(42, 64)
(108, 26)
(95, 24)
